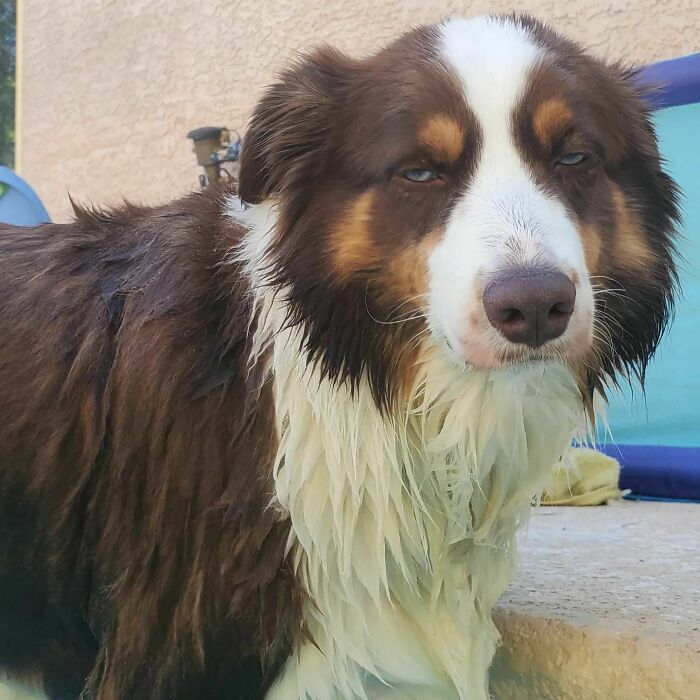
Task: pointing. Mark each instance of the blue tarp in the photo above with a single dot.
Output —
(658, 472)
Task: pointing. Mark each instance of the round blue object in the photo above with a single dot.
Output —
(19, 204)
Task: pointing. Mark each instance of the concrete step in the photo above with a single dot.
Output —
(606, 606)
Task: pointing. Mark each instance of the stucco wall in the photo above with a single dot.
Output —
(110, 87)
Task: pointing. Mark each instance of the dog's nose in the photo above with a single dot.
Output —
(530, 307)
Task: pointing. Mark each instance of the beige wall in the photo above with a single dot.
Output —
(110, 87)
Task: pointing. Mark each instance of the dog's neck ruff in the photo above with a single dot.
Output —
(403, 526)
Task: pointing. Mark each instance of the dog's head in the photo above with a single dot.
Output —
(481, 185)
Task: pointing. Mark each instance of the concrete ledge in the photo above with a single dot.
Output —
(606, 606)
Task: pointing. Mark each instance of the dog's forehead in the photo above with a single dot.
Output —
(462, 78)
(493, 59)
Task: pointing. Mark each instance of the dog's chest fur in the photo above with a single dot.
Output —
(403, 527)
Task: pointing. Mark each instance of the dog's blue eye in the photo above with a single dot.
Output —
(420, 175)
(572, 159)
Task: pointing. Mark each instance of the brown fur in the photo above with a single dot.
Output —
(138, 553)
(347, 132)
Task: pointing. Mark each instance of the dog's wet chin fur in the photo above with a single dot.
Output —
(268, 441)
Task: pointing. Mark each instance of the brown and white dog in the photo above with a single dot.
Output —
(276, 442)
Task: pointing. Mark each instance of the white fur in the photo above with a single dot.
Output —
(504, 219)
(27, 685)
(403, 528)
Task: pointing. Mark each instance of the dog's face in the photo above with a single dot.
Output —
(482, 185)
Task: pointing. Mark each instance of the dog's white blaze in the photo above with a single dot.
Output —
(403, 528)
(504, 219)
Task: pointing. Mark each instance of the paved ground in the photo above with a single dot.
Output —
(606, 605)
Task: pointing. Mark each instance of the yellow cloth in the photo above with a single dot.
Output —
(590, 478)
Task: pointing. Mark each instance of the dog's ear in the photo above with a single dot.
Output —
(290, 129)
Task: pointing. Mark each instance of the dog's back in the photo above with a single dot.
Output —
(125, 417)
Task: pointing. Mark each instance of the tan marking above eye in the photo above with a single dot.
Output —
(443, 135)
(629, 242)
(551, 117)
(352, 247)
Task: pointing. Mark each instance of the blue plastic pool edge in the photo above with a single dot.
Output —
(658, 472)
(672, 83)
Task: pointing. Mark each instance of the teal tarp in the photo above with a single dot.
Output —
(671, 413)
